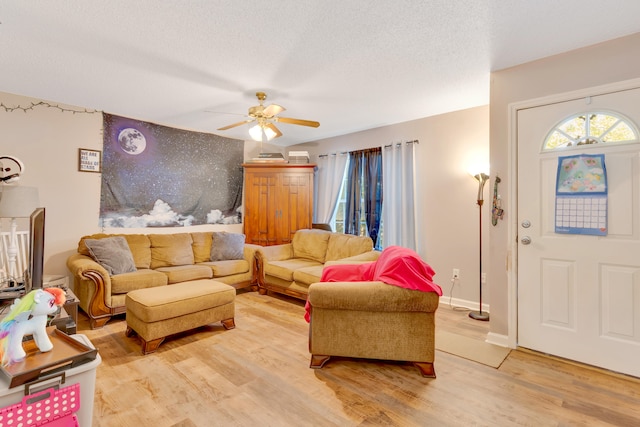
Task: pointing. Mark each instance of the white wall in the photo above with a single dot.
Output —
(447, 211)
(47, 140)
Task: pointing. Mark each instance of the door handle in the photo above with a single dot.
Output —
(525, 240)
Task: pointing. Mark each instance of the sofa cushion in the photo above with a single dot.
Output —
(184, 273)
(112, 253)
(308, 275)
(171, 249)
(139, 245)
(346, 245)
(284, 269)
(311, 244)
(201, 246)
(143, 278)
(226, 246)
(228, 267)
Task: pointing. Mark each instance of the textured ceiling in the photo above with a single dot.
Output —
(351, 65)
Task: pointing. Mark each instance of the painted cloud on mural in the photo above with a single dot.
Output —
(156, 176)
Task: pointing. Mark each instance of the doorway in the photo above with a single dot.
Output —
(578, 296)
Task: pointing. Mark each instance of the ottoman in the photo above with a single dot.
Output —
(155, 313)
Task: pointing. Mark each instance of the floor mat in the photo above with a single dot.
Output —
(472, 349)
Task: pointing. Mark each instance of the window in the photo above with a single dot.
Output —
(591, 128)
(338, 218)
(337, 222)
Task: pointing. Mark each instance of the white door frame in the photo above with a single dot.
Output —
(512, 174)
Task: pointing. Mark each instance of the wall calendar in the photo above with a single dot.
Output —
(581, 195)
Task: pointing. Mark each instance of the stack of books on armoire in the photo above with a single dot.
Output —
(298, 157)
(268, 158)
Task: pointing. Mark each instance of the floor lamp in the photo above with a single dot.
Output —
(16, 202)
(482, 179)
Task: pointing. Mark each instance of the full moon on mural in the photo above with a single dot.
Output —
(132, 141)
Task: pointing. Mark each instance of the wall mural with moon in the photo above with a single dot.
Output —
(157, 176)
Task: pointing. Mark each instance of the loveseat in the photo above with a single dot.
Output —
(108, 266)
(290, 268)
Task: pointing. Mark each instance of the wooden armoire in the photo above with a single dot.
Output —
(278, 201)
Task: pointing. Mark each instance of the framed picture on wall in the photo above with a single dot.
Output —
(89, 160)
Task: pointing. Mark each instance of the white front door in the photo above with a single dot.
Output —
(579, 295)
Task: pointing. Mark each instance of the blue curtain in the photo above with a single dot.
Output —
(364, 185)
(353, 203)
(372, 186)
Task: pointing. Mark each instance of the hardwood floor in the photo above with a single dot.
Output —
(258, 375)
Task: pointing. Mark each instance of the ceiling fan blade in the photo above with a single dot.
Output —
(225, 113)
(272, 110)
(275, 129)
(301, 122)
(235, 124)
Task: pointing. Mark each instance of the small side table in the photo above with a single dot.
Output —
(67, 319)
(71, 308)
(57, 280)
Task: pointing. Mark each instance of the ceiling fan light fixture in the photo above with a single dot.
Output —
(265, 119)
(269, 133)
(256, 132)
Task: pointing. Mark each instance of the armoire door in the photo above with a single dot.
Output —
(260, 211)
(294, 207)
(278, 202)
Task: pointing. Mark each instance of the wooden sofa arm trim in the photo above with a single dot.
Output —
(97, 306)
(259, 268)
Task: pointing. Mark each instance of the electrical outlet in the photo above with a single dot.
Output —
(456, 273)
(483, 277)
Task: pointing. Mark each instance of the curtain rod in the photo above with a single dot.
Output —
(332, 154)
(415, 141)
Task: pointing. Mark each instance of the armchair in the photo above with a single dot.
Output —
(372, 320)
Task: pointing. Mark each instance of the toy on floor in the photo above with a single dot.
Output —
(28, 316)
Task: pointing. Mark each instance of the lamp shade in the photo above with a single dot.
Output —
(256, 132)
(18, 201)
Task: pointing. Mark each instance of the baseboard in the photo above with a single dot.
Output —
(457, 302)
(497, 339)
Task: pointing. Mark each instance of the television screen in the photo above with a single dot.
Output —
(36, 250)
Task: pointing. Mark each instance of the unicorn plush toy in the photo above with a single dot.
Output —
(28, 316)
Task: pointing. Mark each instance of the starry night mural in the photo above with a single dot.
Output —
(156, 176)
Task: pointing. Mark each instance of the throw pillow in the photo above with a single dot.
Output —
(311, 244)
(227, 246)
(112, 253)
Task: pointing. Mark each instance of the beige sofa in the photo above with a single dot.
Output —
(290, 268)
(159, 260)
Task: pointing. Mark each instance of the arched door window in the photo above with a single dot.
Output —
(591, 128)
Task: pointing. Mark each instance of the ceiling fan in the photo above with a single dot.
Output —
(265, 117)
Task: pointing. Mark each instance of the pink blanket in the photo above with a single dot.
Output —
(396, 266)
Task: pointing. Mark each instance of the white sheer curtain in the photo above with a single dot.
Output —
(328, 182)
(398, 183)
